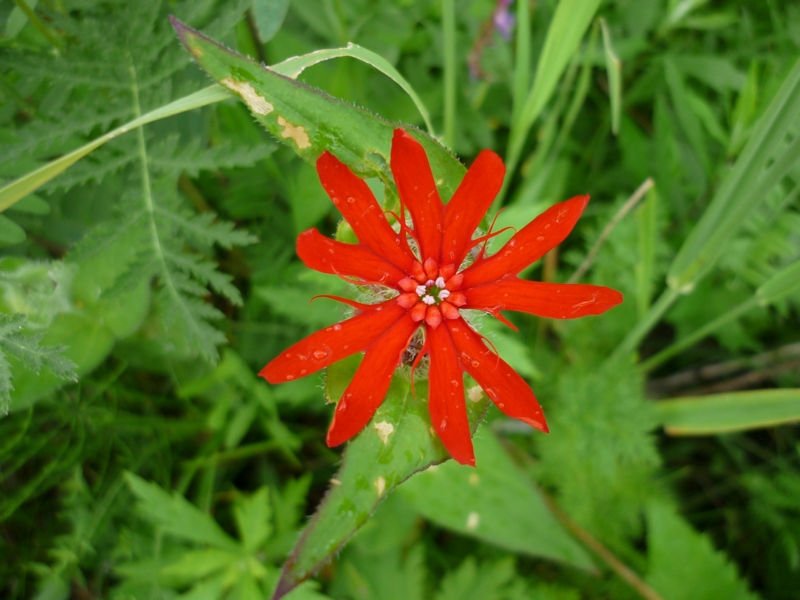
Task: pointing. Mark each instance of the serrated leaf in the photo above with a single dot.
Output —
(684, 564)
(494, 502)
(398, 442)
(253, 515)
(487, 581)
(177, 516)
(28, 351)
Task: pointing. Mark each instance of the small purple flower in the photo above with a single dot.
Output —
(503, 19)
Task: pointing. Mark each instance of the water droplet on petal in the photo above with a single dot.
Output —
(454, 382)
(476, 363)
(321, 353)
(303, 372)
(335, 200)
(540, 238)
(337, 327)
(443, 424)
(289, 377)
(351, 200)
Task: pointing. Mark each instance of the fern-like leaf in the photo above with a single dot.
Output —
(29, 352)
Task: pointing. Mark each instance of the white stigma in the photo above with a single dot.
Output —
(440, 283)
(444, 294)
(421, 290)
(428, 299)
(429, 283)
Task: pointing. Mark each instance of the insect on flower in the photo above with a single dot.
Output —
(433, 284)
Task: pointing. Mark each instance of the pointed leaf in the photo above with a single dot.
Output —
(177, 516)
(724, 413)
(291, 111)
(494, 502)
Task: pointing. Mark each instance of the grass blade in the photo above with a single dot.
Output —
(726, 413)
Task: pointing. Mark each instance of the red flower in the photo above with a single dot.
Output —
(431, 293)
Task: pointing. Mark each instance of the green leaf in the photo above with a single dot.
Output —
(397, 443)
(570, 22)
(269, 16)
(292, 67)
(614, 72)
(253, 515)
(496, 503)
(19, 188)
(725, 413)
(684, 564)
(291, 112)
(784, 283)
(32, 205)
(199, 564)
(487, 581)
(10, 233)
(22, 356)
(177, 516)
(764, 161)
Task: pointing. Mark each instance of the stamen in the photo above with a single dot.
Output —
(421, 290)
(429, 283)
(440, 283)
(444, 294)
(428, 299)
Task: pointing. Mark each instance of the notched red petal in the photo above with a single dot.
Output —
(529, 244)
(333, 343)
(346, 260)
(418, 193)
(358, 206)
(368, 388)
(550, 300)
(469, 204)
(510, 393)
(446, 397)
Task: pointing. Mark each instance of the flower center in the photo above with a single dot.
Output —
(433, 292)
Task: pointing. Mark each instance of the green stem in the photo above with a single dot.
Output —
(697, 335)
(643, 327)
(449, 27)
(522, 59)
(39, 24)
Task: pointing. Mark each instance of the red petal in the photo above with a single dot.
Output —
(501, 383)
(433, 317)
(551, 300)
(357, 204)
(370, 383)
(529, 244)
(469, 204)
(329, 256)
(446, 397)
(333, 343)
(417, 189)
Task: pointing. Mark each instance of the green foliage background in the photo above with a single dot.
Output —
(142, 289)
